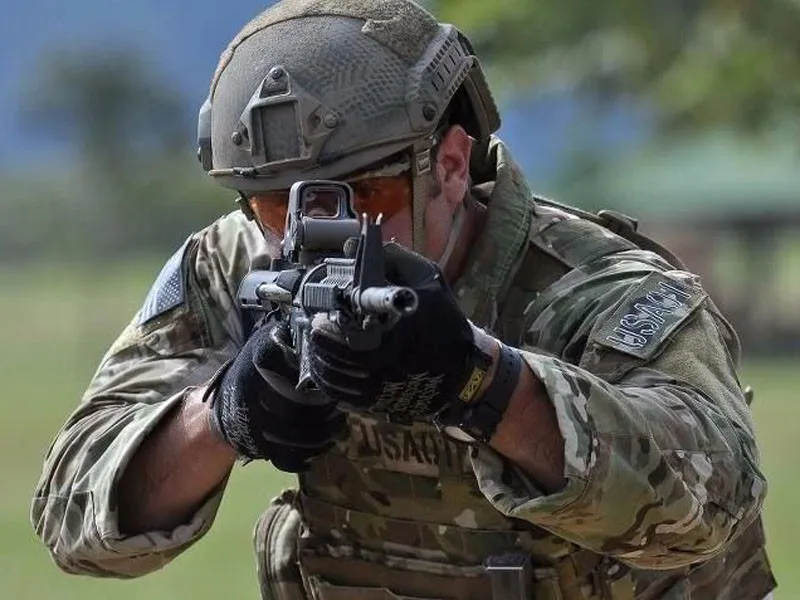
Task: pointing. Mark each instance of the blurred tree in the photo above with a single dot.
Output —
(696, 64)
(109, 102)
(137, 188)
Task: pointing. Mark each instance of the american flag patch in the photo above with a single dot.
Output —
(168, 291)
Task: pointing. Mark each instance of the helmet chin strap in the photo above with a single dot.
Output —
(455, 234)
(420, 174)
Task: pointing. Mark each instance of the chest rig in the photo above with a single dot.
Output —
(394, 511)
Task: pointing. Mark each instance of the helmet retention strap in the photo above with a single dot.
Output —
(455, 233)
(421, 170)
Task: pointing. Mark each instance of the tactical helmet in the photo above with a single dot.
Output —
(317, 89)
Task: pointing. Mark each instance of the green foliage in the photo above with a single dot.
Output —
(697, 64)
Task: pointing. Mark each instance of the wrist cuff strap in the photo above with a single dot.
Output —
(492, 405)
(481, 416)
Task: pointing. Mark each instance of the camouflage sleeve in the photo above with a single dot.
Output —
(186, 329)
(661, 464)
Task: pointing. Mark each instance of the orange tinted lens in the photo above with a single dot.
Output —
(270, 210)
(374, 196)
(382, 195)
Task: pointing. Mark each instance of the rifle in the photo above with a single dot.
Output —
(330, 262)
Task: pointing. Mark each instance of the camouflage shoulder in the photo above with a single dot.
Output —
(226, 251)
(230, 246)
(194, 294)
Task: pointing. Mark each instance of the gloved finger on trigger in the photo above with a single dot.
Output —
(338, 387)
(269, 355)
(280, 384)
(282, 338)
(323, 326)
(288, 392)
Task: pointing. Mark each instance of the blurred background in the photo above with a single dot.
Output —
(683, 114)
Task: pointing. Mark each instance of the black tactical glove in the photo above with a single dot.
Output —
(257, 410)
(421, 362)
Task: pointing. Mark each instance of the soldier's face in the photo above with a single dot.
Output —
(391, 196)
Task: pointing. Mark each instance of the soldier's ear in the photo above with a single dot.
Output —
(452, 163)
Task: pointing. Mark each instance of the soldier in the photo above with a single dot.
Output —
(561, 417)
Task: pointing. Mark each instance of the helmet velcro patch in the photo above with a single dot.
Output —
(401, 25)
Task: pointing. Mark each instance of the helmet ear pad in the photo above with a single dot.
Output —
(477, 110)
(474, 106)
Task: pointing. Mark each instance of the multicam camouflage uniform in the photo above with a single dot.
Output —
(663, 489)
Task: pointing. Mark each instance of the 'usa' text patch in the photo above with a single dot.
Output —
(649, 315)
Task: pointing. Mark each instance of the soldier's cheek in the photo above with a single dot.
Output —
(398, 228)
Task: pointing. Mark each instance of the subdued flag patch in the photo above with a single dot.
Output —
(168, 290)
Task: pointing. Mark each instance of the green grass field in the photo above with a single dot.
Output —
(55, 325)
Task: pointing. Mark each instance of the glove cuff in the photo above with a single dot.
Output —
(216, 418)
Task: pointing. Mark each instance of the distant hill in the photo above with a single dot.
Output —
(182, 41)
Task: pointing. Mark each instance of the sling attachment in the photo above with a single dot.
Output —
(623, 225)
(628, 227)
(617, 221)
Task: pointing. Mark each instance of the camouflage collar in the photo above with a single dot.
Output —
(497, 252)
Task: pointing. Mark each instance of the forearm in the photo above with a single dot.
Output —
(176, 468)
(528, 435)
(77, 503)
(652, 473)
